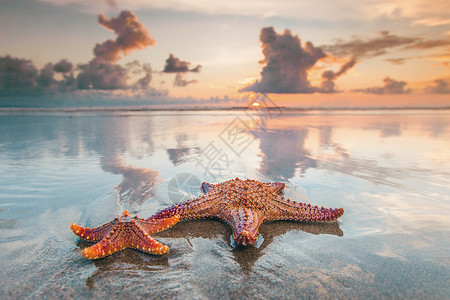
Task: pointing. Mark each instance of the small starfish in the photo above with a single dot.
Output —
(244, 205)
(124, 232)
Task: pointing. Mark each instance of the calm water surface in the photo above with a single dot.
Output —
(390, 171)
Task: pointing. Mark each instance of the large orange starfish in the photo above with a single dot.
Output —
(124, 232)
(244, 205)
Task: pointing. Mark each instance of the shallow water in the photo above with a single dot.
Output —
(389, 170)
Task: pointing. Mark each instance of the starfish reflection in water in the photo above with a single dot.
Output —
(124, 232)
(244, 205)
(217, 234)
(126, 264)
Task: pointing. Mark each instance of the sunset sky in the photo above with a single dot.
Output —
(303, 53)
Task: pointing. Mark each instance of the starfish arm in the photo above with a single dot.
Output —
(103, 248)
(117, 239)
(93, 234)
(151, 226)
(148, 244)
(285, 209)
(244, 223)
(138, 238)
(206, 187)
(201, 207)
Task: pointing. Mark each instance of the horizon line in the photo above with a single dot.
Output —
(137, 108)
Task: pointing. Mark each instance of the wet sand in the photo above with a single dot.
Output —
(388, 170)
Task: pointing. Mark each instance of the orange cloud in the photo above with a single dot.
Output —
(131, 35)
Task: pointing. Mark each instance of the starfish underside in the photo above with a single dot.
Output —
(124, 232)
(244, 205)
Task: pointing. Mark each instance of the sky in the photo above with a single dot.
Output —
(307, 54)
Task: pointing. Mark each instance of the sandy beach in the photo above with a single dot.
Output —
(389, 170)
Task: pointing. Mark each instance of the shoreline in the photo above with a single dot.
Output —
(209, 108)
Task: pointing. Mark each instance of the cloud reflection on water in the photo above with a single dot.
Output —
(284, 152)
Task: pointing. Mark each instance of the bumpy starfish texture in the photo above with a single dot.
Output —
(124, 232)
(244, 205)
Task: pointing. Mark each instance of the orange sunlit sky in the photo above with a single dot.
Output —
(302, 53)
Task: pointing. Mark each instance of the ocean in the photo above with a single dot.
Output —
(388, 169)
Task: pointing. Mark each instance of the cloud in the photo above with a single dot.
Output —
(16, 75)
(175, 65)
(137, 68)
(131, 35)
(101, 73)
(64, 66)
(397, 61)
(390, 86)
(424, 12)
(367, 48)
(440, 87)
(180, 67)
(111, 3)
(180, 81)
(20, 76)
(433, 21)
(417, 11)
(286, 63)
(144, 82)
(329, 76)
(107, 76)
(102, 76)
(429, 44)
(442, 56)
(45, 78)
